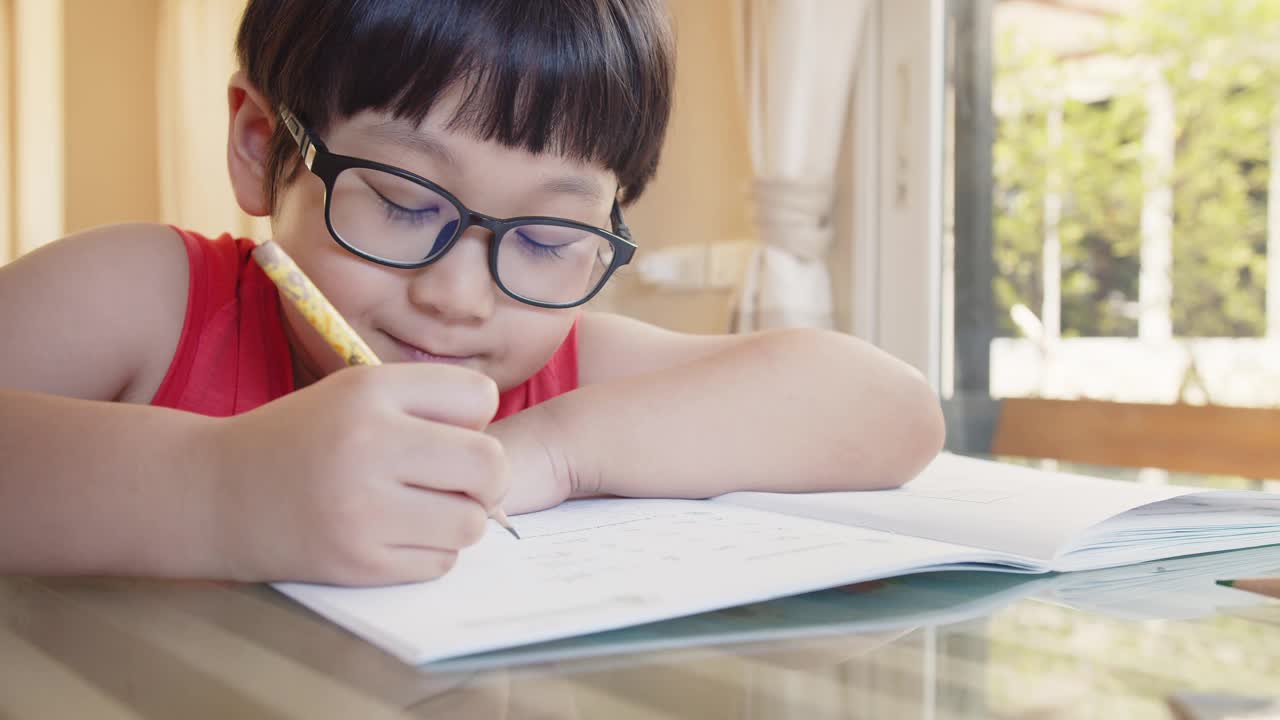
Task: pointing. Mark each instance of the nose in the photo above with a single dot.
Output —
(458, 287)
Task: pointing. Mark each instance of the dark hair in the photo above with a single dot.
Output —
(588, 79)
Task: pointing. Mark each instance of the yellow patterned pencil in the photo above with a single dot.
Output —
(324, 317)
(313, 305)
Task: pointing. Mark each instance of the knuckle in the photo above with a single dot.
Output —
(487, 455)
(489, 460)
(359, 379)
(463, 527)
(484, 390)
(472, 525)
(428, 565)
(442, 562)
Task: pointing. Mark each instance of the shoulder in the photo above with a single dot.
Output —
(95, 314)
(141, 242)
(612, 347)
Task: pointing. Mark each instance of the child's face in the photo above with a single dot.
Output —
(451, 310)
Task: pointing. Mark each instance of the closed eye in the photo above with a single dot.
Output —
(399, 213)
(538, 249)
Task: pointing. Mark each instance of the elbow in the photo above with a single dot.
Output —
(909, 435)
(900, 422)
(921, 436)
(883, 422)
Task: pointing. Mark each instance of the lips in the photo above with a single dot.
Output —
(413, 353)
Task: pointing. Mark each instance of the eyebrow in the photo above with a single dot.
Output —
(579, 185)
(426, 142)
(423, 141)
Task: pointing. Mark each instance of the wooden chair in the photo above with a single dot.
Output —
(1187, 438)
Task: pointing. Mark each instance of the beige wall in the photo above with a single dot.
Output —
(110, 113)
(8, 247)
(78, 133)
(700, 193)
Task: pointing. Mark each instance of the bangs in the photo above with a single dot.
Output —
(586, 79)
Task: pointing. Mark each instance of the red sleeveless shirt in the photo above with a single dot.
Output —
(233, 354)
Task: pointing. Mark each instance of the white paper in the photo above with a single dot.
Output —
(593, 565)
(997, 506)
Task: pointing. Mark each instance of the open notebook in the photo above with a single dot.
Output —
(1170, 589)
(593, 565)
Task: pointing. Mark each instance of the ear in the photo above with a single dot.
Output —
(251, 123)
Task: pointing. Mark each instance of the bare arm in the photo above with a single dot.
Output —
(88, 485)
(98, 487)
(673, 415)
(372, 475)
(95, 316)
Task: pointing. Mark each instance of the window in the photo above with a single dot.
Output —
(1107, 225)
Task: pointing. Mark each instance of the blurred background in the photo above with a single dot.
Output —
(1023, 198)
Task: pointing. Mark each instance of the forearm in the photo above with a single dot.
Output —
(110, 488)
(785, 411)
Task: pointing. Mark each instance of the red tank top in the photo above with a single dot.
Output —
(233, 354)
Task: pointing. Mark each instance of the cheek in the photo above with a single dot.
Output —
(355, 287)
(350, 283)
(532, 338)
(299, 208)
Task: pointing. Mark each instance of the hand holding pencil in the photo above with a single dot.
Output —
(320, 313)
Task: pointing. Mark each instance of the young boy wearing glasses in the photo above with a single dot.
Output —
(452, 175)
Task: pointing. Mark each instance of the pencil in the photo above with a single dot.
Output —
(1269, 586)
(324, 317)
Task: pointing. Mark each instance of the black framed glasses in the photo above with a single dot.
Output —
(395, 218)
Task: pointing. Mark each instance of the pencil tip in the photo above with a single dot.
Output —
(1225, 583)
(513, 532)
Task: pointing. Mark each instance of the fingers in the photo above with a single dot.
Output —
(443, 393)
(452, 459)
(421, 533)
(419, 518)
(404, 475)
(405, 535)
(406, 564)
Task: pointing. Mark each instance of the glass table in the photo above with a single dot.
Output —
(1119, 643)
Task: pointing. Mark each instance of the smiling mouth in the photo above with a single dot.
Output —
(413, 353)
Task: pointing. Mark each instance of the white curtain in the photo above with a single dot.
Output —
(196, 58)
(796, 61)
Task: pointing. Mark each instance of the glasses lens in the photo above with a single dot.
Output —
(389, 217)
(552, 263)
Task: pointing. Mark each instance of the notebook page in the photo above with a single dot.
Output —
(1195, 523)
(998, 506)
(1180, 588)
(591, 565)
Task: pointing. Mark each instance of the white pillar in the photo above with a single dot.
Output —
(1155, 279)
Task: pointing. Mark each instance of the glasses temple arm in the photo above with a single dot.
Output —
(307, 143)
(620, 227)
